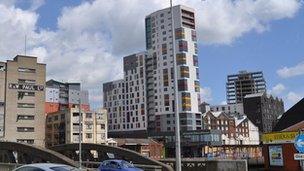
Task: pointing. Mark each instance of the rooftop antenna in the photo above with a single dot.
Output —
(25, 45)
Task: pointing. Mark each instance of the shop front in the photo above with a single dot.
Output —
(279, 151)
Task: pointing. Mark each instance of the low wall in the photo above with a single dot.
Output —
(8, 166)
(207, 165)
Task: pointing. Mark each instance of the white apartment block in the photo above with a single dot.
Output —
(143, 100)
(125, 99)
(160, 70)
(62, 127)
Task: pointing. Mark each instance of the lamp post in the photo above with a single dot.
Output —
(176, 111)
(80, 129)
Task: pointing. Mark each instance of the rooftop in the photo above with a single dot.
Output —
(291, 117)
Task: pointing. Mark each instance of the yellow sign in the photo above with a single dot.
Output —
(279, 137)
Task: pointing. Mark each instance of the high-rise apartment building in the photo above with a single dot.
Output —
(244, 83)
(143, 101)
(263, 110)
(62, 127)
(125, 99)
(61, 96)
(160, 70)
(22, 86)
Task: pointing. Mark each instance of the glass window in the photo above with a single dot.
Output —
(164, 48)
(197, 86)
(184, 71)
(179, 33)
(193, 35)
(181, 59)
(27, 70)
(26, 105)
(186, 101)
(165, 77)
(182, 85)
(195, 60)
(183, 46)
(25, 129)
(166, 100)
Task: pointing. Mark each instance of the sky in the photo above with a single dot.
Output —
(86, 40)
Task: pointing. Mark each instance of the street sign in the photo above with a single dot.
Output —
(298, 156)
(299, 143)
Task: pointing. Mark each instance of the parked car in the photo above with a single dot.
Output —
(46, 167)
(117, 165)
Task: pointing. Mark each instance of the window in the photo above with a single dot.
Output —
(25, 129)
(195, 60)
(29, 141)
(197, 74)
(179, 33)
(184, 71)
(166, 100)
(164, 49)
(26, 105)
(26, 81)
(186, 101)
(165, 77)
(193, 35)
(25, 117)
(181, 59)
(21, 94)
(88, 115)
(27, 70)
(89, 126)
(183, 46)
(182, 85)
(195, 48)
(88, 135)
(197, 86)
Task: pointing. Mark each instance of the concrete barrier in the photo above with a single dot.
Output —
(207, 165)
(8, 166)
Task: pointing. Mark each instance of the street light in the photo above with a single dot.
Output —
(177, 127)
(80, 128)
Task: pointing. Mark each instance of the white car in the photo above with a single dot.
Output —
(46, 167)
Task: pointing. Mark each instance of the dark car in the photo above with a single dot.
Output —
(117, 165)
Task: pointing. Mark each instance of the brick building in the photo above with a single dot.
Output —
(147, 147)
(240, 137)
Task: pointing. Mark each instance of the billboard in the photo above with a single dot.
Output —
(275, 155)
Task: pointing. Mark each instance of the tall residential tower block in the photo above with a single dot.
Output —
(143, 101)
(242, 84)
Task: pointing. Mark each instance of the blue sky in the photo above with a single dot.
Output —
(282, 45)
(262, 35)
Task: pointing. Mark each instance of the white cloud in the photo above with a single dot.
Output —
(223, 102)
(293, 97)
(91, 38)
(277, 89)
(223, 21)
(288, 72)
(206, 94)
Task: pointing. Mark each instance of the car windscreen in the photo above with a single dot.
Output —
(126, 164)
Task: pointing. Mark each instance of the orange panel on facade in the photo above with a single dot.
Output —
(51, 107)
